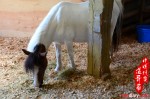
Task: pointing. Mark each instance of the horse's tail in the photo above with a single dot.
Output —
(117, 31)
(119, 3)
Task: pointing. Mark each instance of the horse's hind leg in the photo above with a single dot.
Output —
(58, 57)
(70, 53)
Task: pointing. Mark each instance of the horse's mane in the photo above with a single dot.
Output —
(34, 58)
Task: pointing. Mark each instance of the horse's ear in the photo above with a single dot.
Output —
(26, 52)
(43, 54)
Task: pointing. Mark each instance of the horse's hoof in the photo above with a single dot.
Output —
(36, 87)
(57, 70)
(53, 74)
(72, 68)
(106, 76)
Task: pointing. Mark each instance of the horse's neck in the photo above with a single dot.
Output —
(39, 37)
(44, 32)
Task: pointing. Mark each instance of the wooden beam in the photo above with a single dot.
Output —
(99, 40)
(94, 46)
(106, 40)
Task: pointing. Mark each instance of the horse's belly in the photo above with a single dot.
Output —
(81, 34)
(81, 38)
(73, 37)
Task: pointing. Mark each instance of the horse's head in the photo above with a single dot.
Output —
(36, 62)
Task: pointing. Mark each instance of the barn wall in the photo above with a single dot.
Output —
(29, 5)
(23, 16)
(135, 12)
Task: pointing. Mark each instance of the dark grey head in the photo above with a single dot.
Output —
(36, 62)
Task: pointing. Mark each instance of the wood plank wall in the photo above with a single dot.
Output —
(135, 12)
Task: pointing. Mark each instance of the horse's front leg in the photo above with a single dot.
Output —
(58, 57)
(70, 53)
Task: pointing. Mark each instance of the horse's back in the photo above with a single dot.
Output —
(72, 20)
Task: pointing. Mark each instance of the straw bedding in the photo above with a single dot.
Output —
(15, 83)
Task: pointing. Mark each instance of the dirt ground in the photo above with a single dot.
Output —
(18, 23)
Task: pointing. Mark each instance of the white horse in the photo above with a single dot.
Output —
(65, 23)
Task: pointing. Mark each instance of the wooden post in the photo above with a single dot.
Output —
(98, 64)
(94, 46)
(106, 40)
